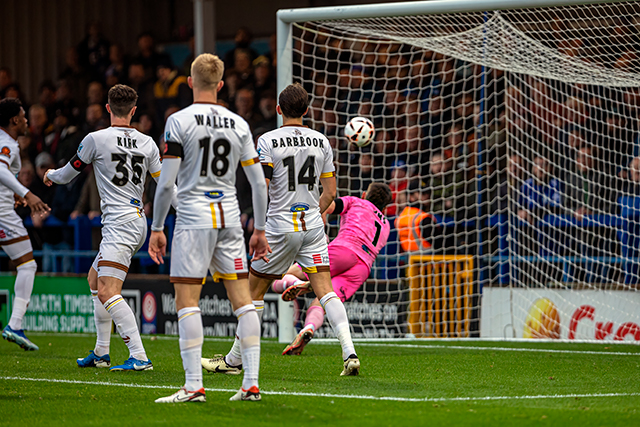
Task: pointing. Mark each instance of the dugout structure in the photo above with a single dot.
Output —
(521, 119)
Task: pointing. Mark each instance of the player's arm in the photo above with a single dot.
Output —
(253, 165)
(327, 179)
(84, 156)
(328, 191)
(10, 181)
(155, 169)
(173, 155)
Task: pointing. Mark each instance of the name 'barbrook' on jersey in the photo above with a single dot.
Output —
(221, 122)
(297, 142)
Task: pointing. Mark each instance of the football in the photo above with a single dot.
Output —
(360, 131)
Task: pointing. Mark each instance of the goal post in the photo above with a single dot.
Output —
(518, 120)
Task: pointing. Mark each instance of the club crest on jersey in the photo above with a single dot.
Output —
(300, 207)
(215, 194)
(135, 202)
(6, 151)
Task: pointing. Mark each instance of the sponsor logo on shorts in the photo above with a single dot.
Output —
(135, 202)
(239, 265)
(215, 194)
(317, 259)
(6, 151)
(300, 207)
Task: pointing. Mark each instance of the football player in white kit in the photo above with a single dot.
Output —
(296, 161)
(13, 236)
(121, 158)
(204, 144)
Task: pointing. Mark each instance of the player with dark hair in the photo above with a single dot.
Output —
(121, 158)
(296, 160)
(13, 236)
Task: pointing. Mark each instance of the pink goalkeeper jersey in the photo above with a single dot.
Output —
(363, 229)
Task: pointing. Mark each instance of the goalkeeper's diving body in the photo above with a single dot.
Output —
(364, 231)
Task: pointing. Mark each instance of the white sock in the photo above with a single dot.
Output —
(102, 319)
(234, 357)
(337, 316)
(249, 333)
(23, 288)
(191, 338)
(125, 321)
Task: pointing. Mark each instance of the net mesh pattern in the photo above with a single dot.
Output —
(518, 130)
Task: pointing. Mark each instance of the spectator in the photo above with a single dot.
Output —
(418, 230)
(143, 87)
(47, 97)
(63, 142)
(148, 57)
(5, 80)
(243, 41)
(93, 50)
(398, 184)
(590, 191)
(632, 185)
(541, 194)
(263, 79)
(267, 109)
(170, 89)
(508, 186)
(95, 119)
(243, 67)
(95, 94)
(446, 186)
(65, 102)
(39, 128)
(117, 70)
(244, 108)
(76, 79)
(89, 201)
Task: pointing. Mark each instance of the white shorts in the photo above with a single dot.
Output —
(220, 251)
(14, 238)
(119, 244)
(307, 248)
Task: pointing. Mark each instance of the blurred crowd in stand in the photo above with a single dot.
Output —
(455, 139)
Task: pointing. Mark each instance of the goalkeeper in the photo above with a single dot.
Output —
(364, 231)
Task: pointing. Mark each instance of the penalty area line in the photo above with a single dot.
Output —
(339, 396)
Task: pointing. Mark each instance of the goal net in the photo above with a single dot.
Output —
(518, 129)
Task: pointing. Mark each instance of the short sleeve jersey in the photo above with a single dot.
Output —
(121, 158)
(10, 156)
(300, 157)
(211, 140)
(363, 229)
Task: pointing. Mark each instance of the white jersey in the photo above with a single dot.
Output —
(121, 158)
(299, 157)
(211, 140)
(10, 156)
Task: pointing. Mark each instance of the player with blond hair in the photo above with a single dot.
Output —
(204, 144)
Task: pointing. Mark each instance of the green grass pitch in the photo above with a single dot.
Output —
(401, 383)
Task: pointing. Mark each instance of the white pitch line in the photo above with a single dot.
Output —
(427, 345)
(338, 396)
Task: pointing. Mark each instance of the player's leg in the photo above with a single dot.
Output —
(247, 337)
(258, 287)
(285, 247)
(116, 249)
(314, 259)
(229, 263)
(99, 357)
(21, 254)
(191, 255)
(295, 276)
